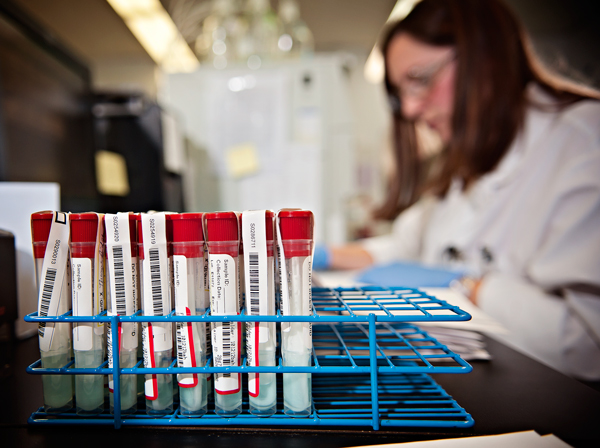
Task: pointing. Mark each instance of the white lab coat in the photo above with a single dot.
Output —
(532, 228)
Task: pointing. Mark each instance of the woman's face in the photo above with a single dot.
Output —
(423, 75)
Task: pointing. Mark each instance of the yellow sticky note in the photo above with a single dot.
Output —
(111, 174)
(242, 160)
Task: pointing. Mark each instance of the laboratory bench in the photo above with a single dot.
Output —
(510, 393)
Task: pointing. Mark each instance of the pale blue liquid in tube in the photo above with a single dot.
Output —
(57, 389)
(296, 227)
(122, 299)
(222, 235)
(188, 278)
(157, 337)
(257, 231)
(88, 290)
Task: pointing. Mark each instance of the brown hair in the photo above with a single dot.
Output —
(494, 66)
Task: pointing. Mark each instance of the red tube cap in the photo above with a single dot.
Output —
(84, 229)
(296, 228)
(40, 231)
(140, 239)
(187, 227)
(221, 226)
(296, 224)
(269, 216)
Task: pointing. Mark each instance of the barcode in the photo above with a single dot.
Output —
(208, 340)
(280, 260)
(227, 346)
(253, 270)
(46, 298)
(181, 343)
(146, 345)
(109, 344)
(47, 291)
(119, 280)
(157, 304)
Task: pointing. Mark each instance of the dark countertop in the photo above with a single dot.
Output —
(510, 393)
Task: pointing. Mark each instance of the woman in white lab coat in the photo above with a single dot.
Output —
(514, 198)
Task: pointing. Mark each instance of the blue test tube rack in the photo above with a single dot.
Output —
(370, 365)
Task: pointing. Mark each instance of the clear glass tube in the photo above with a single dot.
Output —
(163, 404)
(162, 355)
(127, 360)
(188, 274)
(88, 338)
(265, 403)
(127, 357)
(89, 389)
(57, 389)
(224, 278)
(296, 349)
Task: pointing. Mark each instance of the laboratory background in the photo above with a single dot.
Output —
(207, 105)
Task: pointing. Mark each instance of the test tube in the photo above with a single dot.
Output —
(156, 301)
(141, 380)
(222, 237)
(88, 343)
(122, 290)
(257, 232)
(296, 233)
(188, 280)
(54, 337)
(241, 283)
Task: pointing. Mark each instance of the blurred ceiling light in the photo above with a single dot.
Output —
(156, 32)
(374, 70)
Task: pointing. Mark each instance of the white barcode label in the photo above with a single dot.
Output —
(150, 384)
(99, 300)
(122, 269)
(184, 292)
(252, 341)
(118, 272)
(155, 289)
(299, 272)
(226, 342)
(284, 305)
(156, 337)
(47, 289)
(186, 352)
(255, 261)
(82, 274)
(186, 278)
(223, 285)
(226, 336)
(52, 289)
(307, 300)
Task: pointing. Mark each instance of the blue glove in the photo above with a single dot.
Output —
(321, 257)
(411, 275)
